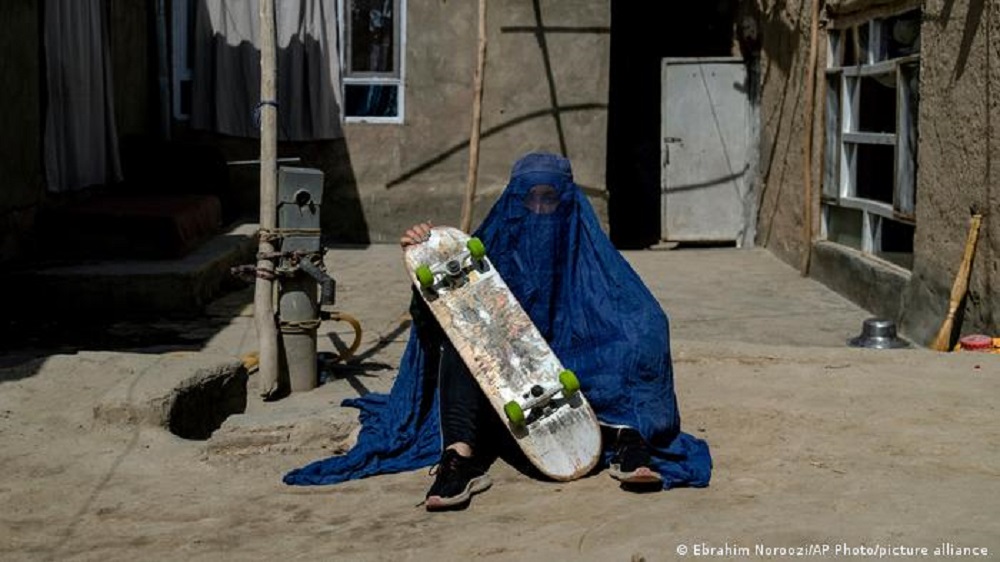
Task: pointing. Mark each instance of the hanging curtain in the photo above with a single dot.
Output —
(81, 143)
(226, 81)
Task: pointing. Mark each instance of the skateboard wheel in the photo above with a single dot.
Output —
(476, 248)
(514, 413)
(425, 276)
(569, 382)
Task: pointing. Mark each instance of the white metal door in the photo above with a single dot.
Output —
(705, 135)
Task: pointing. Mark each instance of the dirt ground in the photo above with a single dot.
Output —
(816, 446)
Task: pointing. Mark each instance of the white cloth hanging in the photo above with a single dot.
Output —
(80, 139)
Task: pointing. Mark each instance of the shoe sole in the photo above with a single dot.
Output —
(475, 486)
(641, 475)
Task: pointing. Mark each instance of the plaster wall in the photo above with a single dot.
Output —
(551, 96)
(784, 46)
(956, 163)
(540, 93)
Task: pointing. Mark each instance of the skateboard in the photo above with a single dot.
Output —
(540, 400)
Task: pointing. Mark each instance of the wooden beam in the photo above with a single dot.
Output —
(264, 319)
(477, 121)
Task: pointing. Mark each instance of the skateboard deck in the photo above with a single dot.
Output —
(539, 399)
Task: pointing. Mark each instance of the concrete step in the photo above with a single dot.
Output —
(120, 289)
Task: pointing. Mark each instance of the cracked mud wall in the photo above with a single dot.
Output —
(957, 163)
(957, 155)
(784, 53)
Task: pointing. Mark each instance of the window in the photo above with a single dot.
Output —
(869, 176)
(373, 33)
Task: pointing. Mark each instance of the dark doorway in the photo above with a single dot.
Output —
(642, 33)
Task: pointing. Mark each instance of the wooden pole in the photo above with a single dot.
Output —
(477, 120)
(267, 332)
(807, 141)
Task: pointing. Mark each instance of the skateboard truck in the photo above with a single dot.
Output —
(538, 401)
(453, 274)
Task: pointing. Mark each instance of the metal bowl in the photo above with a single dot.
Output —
(878, 333)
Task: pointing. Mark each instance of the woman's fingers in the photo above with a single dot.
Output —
(416, 234)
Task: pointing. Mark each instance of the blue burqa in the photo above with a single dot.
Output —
(586, 300)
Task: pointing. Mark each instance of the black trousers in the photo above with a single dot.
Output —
(466, 414)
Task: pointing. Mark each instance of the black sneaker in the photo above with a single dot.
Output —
(632, 461)
(458, 478)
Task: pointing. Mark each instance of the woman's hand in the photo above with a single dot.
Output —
(416, 234)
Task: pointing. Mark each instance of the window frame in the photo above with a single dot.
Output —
(844, 136)
(397, 79)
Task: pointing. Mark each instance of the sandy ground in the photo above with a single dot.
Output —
(815, 445)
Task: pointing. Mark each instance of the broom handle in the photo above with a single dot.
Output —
(958, 289)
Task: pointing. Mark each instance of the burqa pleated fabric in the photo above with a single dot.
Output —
(586, 300)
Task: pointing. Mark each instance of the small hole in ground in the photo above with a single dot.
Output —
(201, 407)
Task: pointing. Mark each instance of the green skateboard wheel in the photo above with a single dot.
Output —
(425, 276)
(476, 248)
(569, 382)
(514, 413)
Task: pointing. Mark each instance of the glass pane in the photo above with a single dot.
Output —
(897, 243)
(372, 36)
(902, 34)
(844, 226)
(369, 100)
(878, 104)
(876, 164)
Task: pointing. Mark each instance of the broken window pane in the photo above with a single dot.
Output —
(371, 100)
(878, 104)
(875, 175)
(897, 243)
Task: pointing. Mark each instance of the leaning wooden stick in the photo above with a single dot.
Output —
(807, 145)
(943, 340)
(477, 119)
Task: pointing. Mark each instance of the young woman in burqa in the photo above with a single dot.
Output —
(600, 319)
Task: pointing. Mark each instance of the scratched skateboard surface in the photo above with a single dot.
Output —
(508, 357)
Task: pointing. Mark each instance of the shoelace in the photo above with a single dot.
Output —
(453, 465)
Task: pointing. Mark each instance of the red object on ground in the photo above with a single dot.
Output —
(976, 342)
